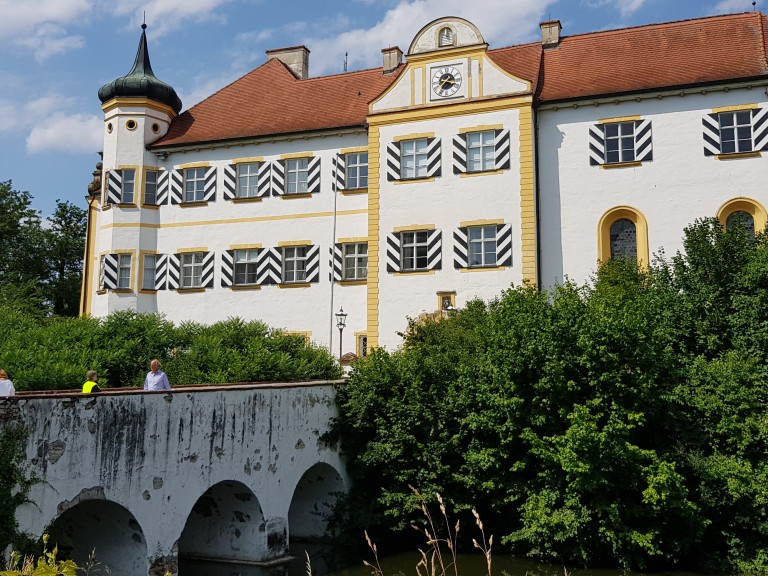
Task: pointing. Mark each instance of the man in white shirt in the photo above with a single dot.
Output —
(156, 379)
(6, 386)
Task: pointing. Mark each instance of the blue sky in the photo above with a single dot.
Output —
(57, 53)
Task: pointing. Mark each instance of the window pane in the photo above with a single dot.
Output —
(150, 187)
(148, 279)
(624, 239)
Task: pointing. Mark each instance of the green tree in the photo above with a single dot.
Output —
(64, 242)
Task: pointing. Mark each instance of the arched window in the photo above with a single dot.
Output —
(743, 212)
(623, 233)
(741, 219)
(445, 37)
(624, 239)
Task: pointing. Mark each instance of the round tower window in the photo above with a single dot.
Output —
(155, 127)
(131, 124)
(109, 128)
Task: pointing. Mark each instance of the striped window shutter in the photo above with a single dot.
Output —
(313, 263)
(504, 245)
(313, 175)
(643, 141)
(393, 252)
(173, 271)
(206, 279)
(501, 150)
(163, 183)
(760, 129)
(265, 184)
(433, 157)
(227, 268)
(278, 178)
(393, 161)
(434, 250)
(209, 190)
(108, 274)
(711, 126)
(339, 171)
(460, 248)
(176, 186)
(269, 267)
(596, 145)
(114, 186)
(460, 154)
(161, 271)
(336, 272)
(230, 185)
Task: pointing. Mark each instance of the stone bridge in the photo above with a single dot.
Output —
(152, 479)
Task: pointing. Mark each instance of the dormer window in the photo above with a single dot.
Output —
(445, 37)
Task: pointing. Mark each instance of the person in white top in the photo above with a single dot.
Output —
(6, 386)
(156, 378)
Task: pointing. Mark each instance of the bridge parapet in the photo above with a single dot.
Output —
(213, 472)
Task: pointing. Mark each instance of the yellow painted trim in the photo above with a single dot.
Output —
(354, 240)
(483, 269)
(294, 195)
(734, 108)
(248, 200)
(251, 160)
(618, 119)
(641, 233)
(189, 290)
(233, 220)
(294, 285)
(193, 165)
(352, 282)
(415, 136)
(140, 278)
(374, 218)
(634, 164)
(295, 155)
(450, 294)
(355, 150)
(414, 273)
(481, 128)
(480, 173)
(743, 204)
(528, 229)
(737, 155)
(442, 54)
(137, 103)
(295, 243)
(481, 222)
(147, 291)
(191, 204)
(143, 186)
(412, 181)
(185, 250)
(245, 246)
(414, 228)
(136, 167)
(353, 191)
(241, 287)
(447, 110)
(359, 352)
(88, 257)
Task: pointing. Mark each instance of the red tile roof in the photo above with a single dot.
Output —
(270, 100)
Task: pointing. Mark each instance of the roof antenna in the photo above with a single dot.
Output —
(754, 4)
(345, 60)
(144, 24)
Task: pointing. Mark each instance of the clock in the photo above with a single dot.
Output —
(446, 81)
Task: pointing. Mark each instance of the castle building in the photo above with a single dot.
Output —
(415, 187)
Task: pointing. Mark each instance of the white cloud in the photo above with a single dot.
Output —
(625, 7)
(50, 39)
(38, 24)
(166, 15)
(729, 7)
(62, 133)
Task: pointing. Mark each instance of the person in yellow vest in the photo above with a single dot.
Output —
(91, 379)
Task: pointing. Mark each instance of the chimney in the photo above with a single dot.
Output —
(392, 58)
(550, 33)
(295, 57)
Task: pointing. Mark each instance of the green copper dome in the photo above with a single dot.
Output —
(141, 82)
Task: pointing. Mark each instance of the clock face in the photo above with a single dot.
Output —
(446, 81)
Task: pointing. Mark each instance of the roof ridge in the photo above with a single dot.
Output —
(353, 72)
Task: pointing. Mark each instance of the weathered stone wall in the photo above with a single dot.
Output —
(134, 467)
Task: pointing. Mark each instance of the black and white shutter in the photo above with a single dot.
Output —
(176, 186)
(336, 271)
(313, 175)
(643, 143)
(313, 264)
(163, 185)
(460, 154)
(114, 187)
(161, 271)
(269, 266)
(173, 271)
(206, 278)
(227, 268)
(108, 274)
(760, 129)
(501, 152)
(503, 246)
(230, 185)
(711, 127)
(278, 178)
(209, 188)
(230, 181)
(339, 171)
(434, 251)
(393, 252)
(597, 145)
(394, 155)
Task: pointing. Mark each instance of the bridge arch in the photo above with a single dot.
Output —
(226, 523)
(313, 501)
(105, 527)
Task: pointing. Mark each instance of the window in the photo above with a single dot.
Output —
(294, 264)
(481, 153)
(735, 131)
(482, 245)
(741, 219)
(246, 265)
(191, 269)
(247, 180)
(619, 142)
(624, 239)
(445, 37)
(413, 250)
(357, 170)
(355, 261)
(150, 187)
(123, 271)
(120, 187)
(194, 184)
(362, 345)
(129, 181)
(413, 158)
(150, 272)
(296, 175)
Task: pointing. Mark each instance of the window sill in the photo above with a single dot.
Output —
(413, 180)
(191, 204)
(292, 195)
(480, 173)
(243, 287)
(101, 292)
(294, 285)
(352, 282)
(185, 290)
(414, 272)
(620, 165)
(246, 200)
(126, 205)
(122, 291)
(151, 206)
(483, 269)
(147, 291)
(353, 191)
(737, 155)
